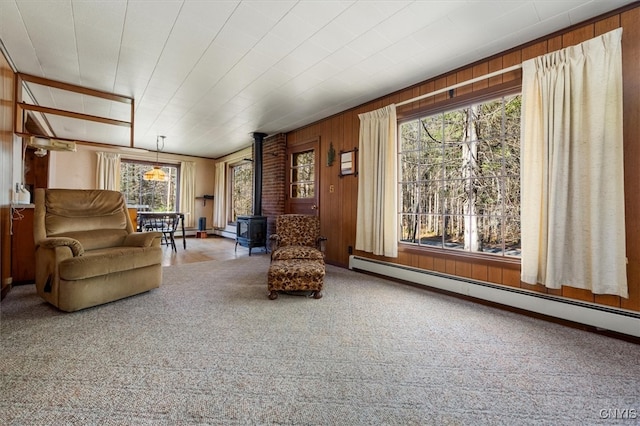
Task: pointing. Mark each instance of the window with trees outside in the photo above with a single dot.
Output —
(241, 190)
(302, 183)
(459, 178)
(148, 195)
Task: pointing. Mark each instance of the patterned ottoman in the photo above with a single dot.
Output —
(295, 274)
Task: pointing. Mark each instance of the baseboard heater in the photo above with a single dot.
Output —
(225, 233)
(602, 317)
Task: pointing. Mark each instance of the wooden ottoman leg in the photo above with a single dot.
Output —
(273, 295)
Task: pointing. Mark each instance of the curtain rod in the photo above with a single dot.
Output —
(464, 83)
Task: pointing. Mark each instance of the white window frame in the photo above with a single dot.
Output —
(148, 165)
(230, 192)
(466, 220)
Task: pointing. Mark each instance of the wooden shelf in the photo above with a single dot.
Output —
(204, 199)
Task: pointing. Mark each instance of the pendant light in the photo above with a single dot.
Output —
(156, 173)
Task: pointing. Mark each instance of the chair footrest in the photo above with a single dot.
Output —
(296, 274)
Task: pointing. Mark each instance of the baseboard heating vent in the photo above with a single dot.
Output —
(224, 233)
(617, 320)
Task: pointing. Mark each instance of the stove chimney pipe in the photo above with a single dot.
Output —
(258, 138)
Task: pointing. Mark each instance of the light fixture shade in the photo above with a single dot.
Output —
(156, 174)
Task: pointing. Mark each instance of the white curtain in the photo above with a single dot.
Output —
(188, 192)
(377, 222)
(108, 171)
(573, 225)
(220, 208)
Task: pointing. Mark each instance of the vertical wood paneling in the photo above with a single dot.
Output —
(23, 251)
(554, 292)
(494, 274)
(606, 25)
(534, 50)
(450, 81)
(479, 272)
(495, 65)
(450, 266)
(463, 268)
(607, 299)
(426, 262)
(424, 89)
(349, 197)
(339, 208)
(480, 70)
(440, 264)
(405, 109)
(630, 21)
(511, 277)
(464, 75)
(577, 293)
(509, 60)
(533, 287)
(7, 83)
(329, 213)
(554, 44)
(335, 226)
(441, 83)
(578, 35)
(404, 258)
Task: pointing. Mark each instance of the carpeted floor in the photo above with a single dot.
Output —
(209, 347)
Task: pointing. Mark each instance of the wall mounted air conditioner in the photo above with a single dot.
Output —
(51, 144)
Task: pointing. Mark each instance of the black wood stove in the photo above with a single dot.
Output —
(251, 231)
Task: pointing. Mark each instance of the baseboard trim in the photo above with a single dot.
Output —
(598, 316)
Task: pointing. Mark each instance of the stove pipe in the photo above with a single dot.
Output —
(258, 138)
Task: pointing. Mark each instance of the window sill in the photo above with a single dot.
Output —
(478, 258)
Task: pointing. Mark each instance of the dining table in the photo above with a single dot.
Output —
(145, 217)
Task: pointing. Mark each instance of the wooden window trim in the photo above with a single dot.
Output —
(504, 89)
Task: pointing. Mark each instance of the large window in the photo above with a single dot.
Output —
(241, 190)
(149, 195)
(459, 183)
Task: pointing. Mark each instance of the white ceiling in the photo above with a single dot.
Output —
(207, 74)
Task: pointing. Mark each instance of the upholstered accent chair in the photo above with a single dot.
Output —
(297, 256)
(297, 237)
(87, 252)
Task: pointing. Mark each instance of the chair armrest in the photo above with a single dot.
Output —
(321, 243)
(72, 243)
(274, 242)
(142, 239)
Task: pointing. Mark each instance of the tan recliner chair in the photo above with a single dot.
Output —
(87, 252)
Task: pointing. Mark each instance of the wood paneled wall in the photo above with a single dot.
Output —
(338, 207)
(6, 171)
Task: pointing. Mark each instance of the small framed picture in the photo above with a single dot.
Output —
(348, 163)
